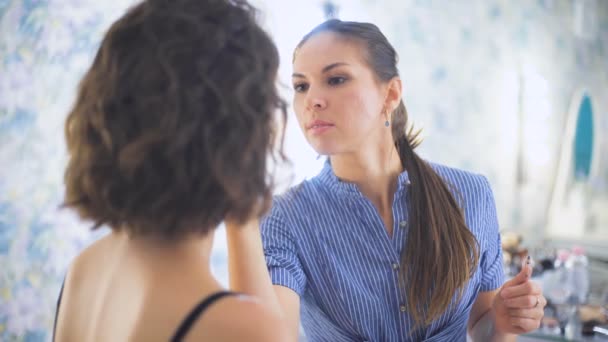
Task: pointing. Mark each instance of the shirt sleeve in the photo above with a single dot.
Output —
(280, 251)
(491, 261)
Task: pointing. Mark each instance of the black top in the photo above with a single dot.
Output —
(186, 324)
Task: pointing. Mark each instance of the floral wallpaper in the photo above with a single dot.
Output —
(44, 48)
(489, 81)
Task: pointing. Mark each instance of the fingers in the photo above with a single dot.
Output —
(523, 289)
(534, 313)
(524, 313)
(526, 302)
(527, 266)
(523, 300)
(232, 224)
(525, 324)
(523, 275)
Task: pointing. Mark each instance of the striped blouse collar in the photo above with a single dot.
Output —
(328, 178)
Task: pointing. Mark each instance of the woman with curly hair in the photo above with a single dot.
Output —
(169, 136)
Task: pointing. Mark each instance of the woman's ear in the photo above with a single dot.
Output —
(393, 95)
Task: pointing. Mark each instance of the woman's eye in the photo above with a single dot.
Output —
(300, 87)
(336, 80)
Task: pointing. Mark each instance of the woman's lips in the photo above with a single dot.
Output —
(319, 127)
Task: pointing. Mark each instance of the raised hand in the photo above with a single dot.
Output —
(519, 305)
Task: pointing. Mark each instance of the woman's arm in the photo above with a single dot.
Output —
(249, 274)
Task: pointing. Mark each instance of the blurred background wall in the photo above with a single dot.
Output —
(516, 90)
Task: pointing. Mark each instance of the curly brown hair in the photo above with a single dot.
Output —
(175, 120)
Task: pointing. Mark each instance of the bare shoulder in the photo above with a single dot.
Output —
(88, 257)
(239, 318)
(77, 281)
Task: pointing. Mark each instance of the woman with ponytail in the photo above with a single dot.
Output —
(381, 245)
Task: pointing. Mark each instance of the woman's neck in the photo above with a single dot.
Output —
(190, 254)
(374, 172)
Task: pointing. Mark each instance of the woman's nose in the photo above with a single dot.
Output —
(317, 103)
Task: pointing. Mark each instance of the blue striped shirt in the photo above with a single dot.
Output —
(326, 241)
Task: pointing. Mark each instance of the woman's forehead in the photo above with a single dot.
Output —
(324, 49)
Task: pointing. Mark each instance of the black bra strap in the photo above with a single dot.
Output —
(57, 310)
(195, 314)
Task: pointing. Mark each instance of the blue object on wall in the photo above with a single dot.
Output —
(583, 140)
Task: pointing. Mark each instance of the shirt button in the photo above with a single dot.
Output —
(395, 266)
(402, 224)
(402, 308)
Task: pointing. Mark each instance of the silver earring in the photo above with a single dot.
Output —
(386, 123)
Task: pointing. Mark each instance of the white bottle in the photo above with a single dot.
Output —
(578, 266)
(556, 283)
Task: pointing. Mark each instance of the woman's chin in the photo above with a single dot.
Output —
(324, 146)
(325, 151)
